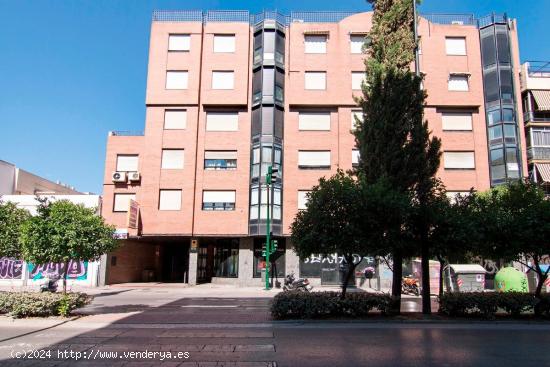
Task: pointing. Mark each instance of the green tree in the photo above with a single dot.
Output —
(64, 231)
(332, 222)
(516, 226)
(393, 138)
(12, 219)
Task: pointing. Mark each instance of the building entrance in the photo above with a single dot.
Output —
(174, 263)
(217, 257)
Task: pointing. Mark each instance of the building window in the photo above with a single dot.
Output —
(317, 121)
(127, 162)
(175, 119)
(224, 43)
(459, 160)
(356, 115)
(172, 158)
(218, 200)
(170, 200)
(220, 160)
(222, 121)
(456, 121)
(315, 44)
(223, 79)
(455, 46)
(226, 258)
(176, 80)
(122, 202)
(357, 78)
(355, 157)
(315, 80)
(458, 82)
(303, 199)
(179, 42)
(452, 195)
(356, 43)
(308, 159)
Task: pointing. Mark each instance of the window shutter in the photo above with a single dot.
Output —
(176, 80)
(355, 156)
(461, 121)
(179, 42)
(223, 80)
(455, 46)
(224, 43)
(314, 121)
(356, 43)
(222, 121)
(315, 44)
(122, 202)
(170, 200)
(315, 80)
(357, 78)
(458, 83)
(172, 158)
(314, 158)
(175, 119)
(220, 154)
(302, 199)
(127, 163)
(218, 196)
(459, 160)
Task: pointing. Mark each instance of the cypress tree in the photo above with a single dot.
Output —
(393, 138)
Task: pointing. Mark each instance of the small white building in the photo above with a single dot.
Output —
(17, 273)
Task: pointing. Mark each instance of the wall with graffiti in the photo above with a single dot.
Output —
(78, 270)
(11, 268)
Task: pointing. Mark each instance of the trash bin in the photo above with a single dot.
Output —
(510, 279)
(465, 278)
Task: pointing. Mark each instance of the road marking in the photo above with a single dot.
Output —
(209, 306)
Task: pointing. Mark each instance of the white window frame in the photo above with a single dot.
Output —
(455, 46)
(175, 119)
(302, 199)
(456, 121)
(223, 79)
(357, 78)
(458, 85)
(224, 43)
(311, 84)
(173, 159)
(215, 121)
(177, 79)
(459, 160)
(127, 162)
(118, 206)
(314, 121)
(170, 199)
(354, 157)
(179, 42)
(321, 159)
(315, 43)
(219, 196)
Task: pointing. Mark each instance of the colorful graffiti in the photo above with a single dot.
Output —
(78, 270)
(11, 268)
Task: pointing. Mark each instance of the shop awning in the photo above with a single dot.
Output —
(544, 171)
(542, 97)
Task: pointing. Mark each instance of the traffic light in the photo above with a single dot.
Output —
(275, 244)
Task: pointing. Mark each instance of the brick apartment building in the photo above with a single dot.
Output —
(230, 93)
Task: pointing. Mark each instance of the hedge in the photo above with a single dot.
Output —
(319, 305)
(33, 304)
(487, 304)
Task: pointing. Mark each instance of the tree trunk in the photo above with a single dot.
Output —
(351, 270)
(425, 263)
(542, 276)
(65, 271)
(396, 282)
(441, 275)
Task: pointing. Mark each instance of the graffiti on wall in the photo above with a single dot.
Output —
(78, 270)
(11, 268)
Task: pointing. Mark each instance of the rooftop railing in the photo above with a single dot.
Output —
(538, 69)
(308, 17)
(125, 133)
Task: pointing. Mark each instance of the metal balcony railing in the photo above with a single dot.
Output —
(319, 16)
(538, 69)
(458, 19)
(538, 153)
(536, 117)
(125, 133)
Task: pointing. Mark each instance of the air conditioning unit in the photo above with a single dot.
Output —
(133, 176)
(119, 176)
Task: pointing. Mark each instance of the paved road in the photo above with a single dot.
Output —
(237, 331)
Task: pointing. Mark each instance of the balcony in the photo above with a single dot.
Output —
(535, 117)
(538, 153)
(535, 75)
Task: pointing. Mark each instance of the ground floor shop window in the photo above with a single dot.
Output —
(277, 260)
(226, 258)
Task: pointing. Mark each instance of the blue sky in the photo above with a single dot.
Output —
(70, 71)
